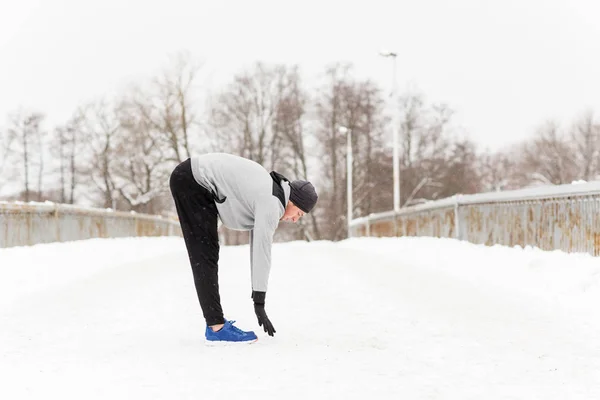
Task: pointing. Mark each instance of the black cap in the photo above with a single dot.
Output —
(303, 195)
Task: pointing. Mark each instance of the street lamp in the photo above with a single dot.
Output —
(345, 131)
(395, 129)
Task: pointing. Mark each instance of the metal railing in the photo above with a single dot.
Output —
(24, 224)
(563, 217)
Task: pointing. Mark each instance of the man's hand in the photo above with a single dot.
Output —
(259, 309)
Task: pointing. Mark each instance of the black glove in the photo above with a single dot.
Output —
(259, 309)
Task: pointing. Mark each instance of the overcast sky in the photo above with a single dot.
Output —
(504, 66)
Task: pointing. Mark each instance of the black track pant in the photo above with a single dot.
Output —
(198, 218)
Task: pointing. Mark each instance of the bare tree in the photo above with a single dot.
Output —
(244, 115)
(72, 132)
(330, 108)
(460, 174)
(427, 149)
(497, 171)
(289, 124)
(585, 137)
(5, 154)
(3, 147)
(412, 110)
(100, 128)
(65, 148)
(357, 105)
(141, 163)
(169, 106)
(548, 158)
(25, 143)
(58, 150)
(364, 106)
(40, 141)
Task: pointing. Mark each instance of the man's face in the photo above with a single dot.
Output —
(292, 213)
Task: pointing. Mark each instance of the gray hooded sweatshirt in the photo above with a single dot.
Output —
(243, 191)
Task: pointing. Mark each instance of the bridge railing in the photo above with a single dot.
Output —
(23, 224)
(562, 217)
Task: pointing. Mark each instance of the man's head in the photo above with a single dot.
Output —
(303, 198)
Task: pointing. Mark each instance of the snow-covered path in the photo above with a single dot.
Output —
(412, 318)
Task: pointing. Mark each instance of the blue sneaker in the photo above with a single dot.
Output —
(230, 333)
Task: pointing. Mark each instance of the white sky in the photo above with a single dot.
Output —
(504, 66)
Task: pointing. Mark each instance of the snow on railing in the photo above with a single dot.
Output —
(23, 224)
(561, 217)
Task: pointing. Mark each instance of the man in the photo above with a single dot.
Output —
(245, 197)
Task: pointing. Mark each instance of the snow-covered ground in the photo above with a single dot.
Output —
(409, 318)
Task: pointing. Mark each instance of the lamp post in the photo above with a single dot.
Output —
(348, 133)
(395, 129)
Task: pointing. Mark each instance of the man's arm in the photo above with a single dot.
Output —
(252, 258)
(261, 242)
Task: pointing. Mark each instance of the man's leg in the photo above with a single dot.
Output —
(198, 218)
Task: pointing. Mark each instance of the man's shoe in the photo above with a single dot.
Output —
(229, 333)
